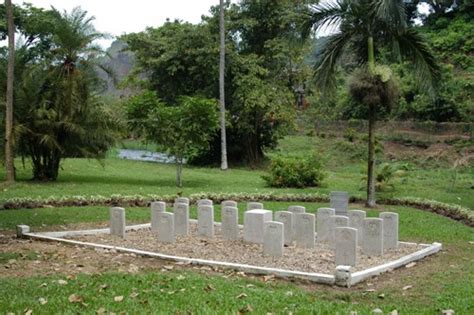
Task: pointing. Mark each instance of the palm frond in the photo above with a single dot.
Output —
(325, 15)
(413, 47)
(328, 58)
(391, 12)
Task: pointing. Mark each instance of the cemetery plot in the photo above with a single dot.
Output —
(349, 249)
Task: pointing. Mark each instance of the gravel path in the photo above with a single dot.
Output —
(319, 259)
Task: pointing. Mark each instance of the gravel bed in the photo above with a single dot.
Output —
(319, 259)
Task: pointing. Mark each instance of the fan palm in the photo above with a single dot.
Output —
(58, 114)
(365, 27)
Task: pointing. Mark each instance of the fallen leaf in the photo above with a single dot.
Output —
(180, 277)
(74, 298)
(241, 296)
(412, 264)
(101, 311)
(247, 309)
(42, 301)
(71, 277)
(103, 287)
(268, 278)
(168, 267)
(133, 268)
(118, 298)
(289, 293)
(394, 312)
(407, 287)
(133, 295)
(27, 311)
(209, 288)
(370, 290)
(381, 296)
(43, 285)
(62, 282)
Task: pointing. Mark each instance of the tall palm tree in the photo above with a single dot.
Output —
(224, 165)
(9, 155)
(364, 27)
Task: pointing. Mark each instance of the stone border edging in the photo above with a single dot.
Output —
(452, 211)
(342, 275)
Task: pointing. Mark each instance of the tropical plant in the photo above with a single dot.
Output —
(183, 130)
(57, 112)
(365, 27)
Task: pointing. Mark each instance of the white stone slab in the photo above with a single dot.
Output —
(165, 230)
(206, 221)
(305, 229)
(323, 224)
(229, 203)
(117, 221)
(346, 246)
(390, 230)
(181, 219)
(254, 205)
(230, 223)
(356, 220)
(155, 208)
(287, 218)
(204, 202)
(372, 233)
(273, 239)
(253, 224)
(339, 200)
(181, 200)
(296, 209)
(336, 221)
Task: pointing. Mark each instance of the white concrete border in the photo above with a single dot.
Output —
(345, 278)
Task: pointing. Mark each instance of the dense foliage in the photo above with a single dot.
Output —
(295, 171)
(57, 113)
(183, 130)
(265, 70)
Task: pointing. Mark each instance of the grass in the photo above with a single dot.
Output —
(445, 281)
(441, 282)
(87, 177)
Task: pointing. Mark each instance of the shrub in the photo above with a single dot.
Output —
(295, 171)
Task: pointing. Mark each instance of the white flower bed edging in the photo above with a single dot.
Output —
(342, 275)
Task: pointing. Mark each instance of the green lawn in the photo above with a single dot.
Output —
(445, 281)
(88, 177)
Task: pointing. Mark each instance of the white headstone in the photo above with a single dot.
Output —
(273, 239)
(181, 219)
(204, 202)
(117, 221)
(254, 205)
(166, 232)
(155, 208)
(206, 221)
(323, 224)
(253, 224)
(230, 223)
(372, 234)
(334, 222)
(229, 203)
(390, 229)
(295, 210)
(346, 246)
(286, 218)
(305, 228)
(339, 200)
(356, 220)
(181, 200)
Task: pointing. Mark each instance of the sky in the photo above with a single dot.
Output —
(118, 17)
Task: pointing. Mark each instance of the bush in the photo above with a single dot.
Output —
(295, 171)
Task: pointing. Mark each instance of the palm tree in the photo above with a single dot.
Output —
(9, 155)
(224, 165)
(365, 27)
(60, 116)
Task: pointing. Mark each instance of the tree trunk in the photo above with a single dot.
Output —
(224, 165)
(371, 160)
(372, 117)
(9, 155)
(179, 171)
